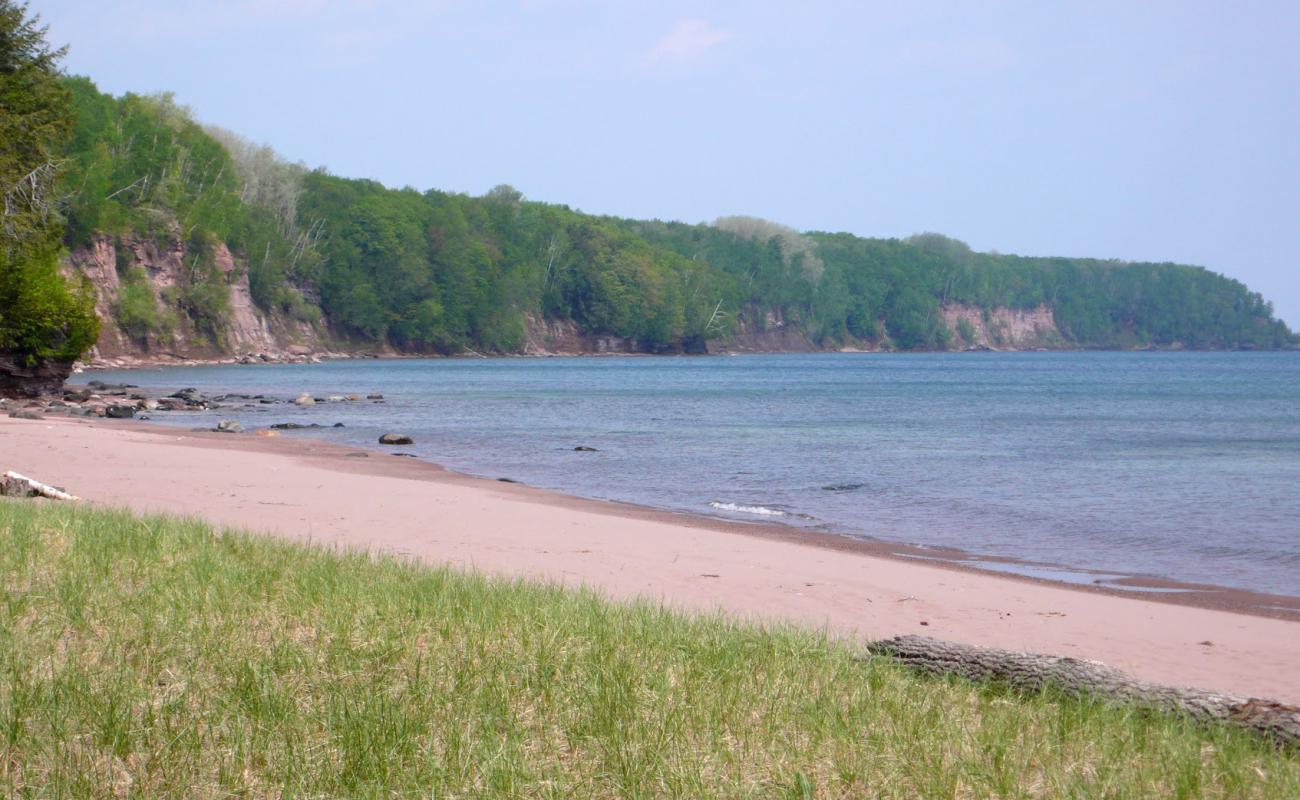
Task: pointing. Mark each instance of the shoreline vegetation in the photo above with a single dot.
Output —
(152, 656)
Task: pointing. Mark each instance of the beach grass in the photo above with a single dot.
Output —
(153, 657)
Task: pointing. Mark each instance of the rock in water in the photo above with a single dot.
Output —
(229, 426)
(305, 400)
(396, 438)
(582, 448)
(119, 412)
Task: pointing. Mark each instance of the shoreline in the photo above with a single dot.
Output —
(1160, 588)
(347, 497)
(105, 364)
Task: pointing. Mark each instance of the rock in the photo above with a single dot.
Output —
(190, 396)
(229, 426)
(353, 398)
(396, 438)
(293, 426)
(171, 404)
(26, 413)
(335, 398)
(77, 395)
(374, 397)
(582, 448)
(82, 411)
(19, 380)
(338, 425)
(118, 411)
(305, 400)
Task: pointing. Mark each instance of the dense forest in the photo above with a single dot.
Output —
(436, 272)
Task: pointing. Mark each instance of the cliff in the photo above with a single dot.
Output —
(169, 266)
(975, 328)
(165, 269)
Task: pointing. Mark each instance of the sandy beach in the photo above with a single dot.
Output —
(345, 497)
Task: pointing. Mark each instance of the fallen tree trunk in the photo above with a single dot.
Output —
(14, 485)
(1078, 677)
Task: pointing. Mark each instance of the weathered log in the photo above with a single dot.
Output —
(14, 485)
(1079, 677)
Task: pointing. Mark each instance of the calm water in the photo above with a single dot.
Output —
(1184, 465)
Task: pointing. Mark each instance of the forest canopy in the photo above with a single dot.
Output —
(440, 272)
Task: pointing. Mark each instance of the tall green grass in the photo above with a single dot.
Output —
(147, 657)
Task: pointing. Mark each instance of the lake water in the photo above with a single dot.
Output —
(1180, 465)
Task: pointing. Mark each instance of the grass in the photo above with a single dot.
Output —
(148, 657)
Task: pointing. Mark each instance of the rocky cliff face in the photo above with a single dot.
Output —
(246, 332)
(249, 334)
(1001, 328)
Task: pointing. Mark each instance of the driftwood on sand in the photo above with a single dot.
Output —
(1078, 677)
(14, 485)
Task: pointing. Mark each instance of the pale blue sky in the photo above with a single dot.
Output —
(1138, 130)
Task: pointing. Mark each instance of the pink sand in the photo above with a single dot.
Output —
(311, 491)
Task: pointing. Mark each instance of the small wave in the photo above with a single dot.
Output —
(743, 509)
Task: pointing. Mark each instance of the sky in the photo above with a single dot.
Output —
(1152, 131)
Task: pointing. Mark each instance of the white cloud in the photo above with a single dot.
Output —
(688, 39)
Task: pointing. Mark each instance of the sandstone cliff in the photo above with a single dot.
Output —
(246, 332)
(975, 328)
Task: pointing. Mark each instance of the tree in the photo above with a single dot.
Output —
(41, 318)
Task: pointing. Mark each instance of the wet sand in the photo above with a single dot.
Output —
(345, 497)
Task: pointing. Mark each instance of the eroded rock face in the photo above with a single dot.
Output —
(17, 380)
(248, 331)
(1001, 328)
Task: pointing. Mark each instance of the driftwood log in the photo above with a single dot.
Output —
(1078, 677)
(14, 485)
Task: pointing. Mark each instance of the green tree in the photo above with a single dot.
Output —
(41, 317)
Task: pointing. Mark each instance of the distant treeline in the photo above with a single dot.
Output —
(432, 271)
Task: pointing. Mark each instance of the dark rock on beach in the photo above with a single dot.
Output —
(396, 438)
(19, 380)
(119, 411)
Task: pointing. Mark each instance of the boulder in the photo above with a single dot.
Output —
(396, 438)
(19, 380)
(118, 411)
(375, 396)
(190, 396)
